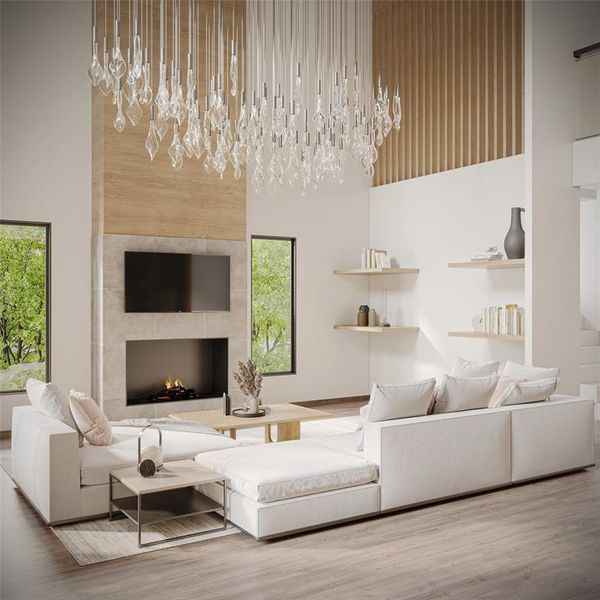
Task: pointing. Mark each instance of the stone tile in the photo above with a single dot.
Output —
(119, 325)
(239, 259)
(232, 324)
(184, 245)
(116, 409)
(180, 325)
(97, 251)
(113, 369)
(113, 263)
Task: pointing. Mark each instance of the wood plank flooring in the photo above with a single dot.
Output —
(539, 541)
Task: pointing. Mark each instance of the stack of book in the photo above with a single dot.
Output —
(371, 258)
(504, 320)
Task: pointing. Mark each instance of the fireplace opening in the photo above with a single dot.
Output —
(175, 370)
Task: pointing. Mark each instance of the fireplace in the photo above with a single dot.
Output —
(173, 370)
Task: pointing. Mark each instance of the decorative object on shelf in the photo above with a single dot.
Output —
(245, 412)
(226, 404)
(294, 125)
(150, 458)
(490, 253)
(372, 317)
(386, 262)
(363, 316)
(514, 242)
(477, 322)
(249, 378)
(383, 321)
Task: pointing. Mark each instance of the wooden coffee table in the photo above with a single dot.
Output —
(287, 417)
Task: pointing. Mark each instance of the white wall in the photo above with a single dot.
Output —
(552, 31)
(331, 226)
(426, 223)
(46, 164)
(589, 267)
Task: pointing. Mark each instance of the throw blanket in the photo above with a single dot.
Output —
(166, 424)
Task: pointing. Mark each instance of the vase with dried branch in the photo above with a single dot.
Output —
(249, 378)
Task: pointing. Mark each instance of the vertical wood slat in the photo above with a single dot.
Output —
(460, 68)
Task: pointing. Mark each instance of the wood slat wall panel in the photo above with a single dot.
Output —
(131, 194)
(460, 68)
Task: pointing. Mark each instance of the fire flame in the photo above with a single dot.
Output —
(171, 383)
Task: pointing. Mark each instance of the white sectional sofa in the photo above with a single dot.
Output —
(419, 460)
(278, 489)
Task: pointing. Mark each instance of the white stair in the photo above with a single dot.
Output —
(589, 354)
(589, 367)
(589, 337)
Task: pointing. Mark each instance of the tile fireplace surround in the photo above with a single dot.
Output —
(112, 327)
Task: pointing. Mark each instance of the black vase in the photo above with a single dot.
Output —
(514, 242)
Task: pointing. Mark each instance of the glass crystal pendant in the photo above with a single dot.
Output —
(95, 70)
(233, 70)
(161, 125)
(152, 139)
(176, 149)
(134, 111)
(117, 64)
(119, 120)
(106, 82)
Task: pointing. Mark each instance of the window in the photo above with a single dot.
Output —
(24, 293)
(273, 305)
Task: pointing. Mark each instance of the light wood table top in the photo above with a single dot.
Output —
(276, 413)
(174, 475)
(287, 417)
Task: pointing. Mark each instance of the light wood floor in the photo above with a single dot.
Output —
(539, 541)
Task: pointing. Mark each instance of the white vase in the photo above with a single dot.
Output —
(253, 404)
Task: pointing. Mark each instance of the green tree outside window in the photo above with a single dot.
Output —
(273, 304)
(23, 335)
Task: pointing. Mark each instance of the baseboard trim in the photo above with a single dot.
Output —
(324, 401)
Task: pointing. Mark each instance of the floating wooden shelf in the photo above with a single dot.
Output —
(374, 271)
(511, 263)
(487, 336)
(376, 329)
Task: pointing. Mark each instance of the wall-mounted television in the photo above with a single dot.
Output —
(170, 282)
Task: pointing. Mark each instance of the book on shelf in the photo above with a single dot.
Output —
(371, 258)
(504, 320)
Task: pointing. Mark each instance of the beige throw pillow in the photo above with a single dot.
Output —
(472, 368)
(526, 391)
(465, 393)
(503, 384)
(90, 419)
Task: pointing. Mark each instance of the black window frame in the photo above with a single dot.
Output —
(293, 243)
(47, 227)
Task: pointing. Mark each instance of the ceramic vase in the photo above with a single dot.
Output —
(514, 242)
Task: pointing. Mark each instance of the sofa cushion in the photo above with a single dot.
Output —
(472, 368)
(516, 370)
(396, 401)
(503, 384)
(50, 400)
(90, 419)
(97, 461)
(466, 393)
(526, 391)
(271, 472)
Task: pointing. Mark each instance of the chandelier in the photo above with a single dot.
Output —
(306, 103)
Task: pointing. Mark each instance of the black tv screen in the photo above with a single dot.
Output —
(169, 282)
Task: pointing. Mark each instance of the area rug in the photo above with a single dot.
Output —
(91, 542)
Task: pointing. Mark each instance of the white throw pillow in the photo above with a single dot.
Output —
(391, 401)
(527, 391)
(503, 384)
(472, 368)
(517, 371)
(465, 393)
(90, 419)
(49, 399)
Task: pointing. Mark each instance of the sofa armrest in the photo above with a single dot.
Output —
(422, 459)
(45, 458)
